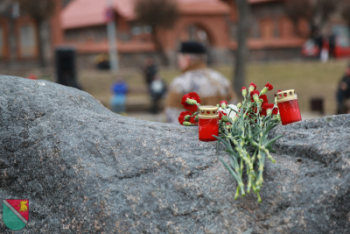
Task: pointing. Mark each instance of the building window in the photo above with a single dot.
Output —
(27, 41)
(266, 29)
(276, 31)
(254, 30)
(136, 30)
(2, 42)
(140, 29)
(304, 28)
(286, 28)
(197, 33)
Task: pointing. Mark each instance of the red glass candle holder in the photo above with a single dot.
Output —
(288, 107)
(208, 123)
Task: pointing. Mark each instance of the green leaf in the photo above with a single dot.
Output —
(269, 143)
(234, 163)
(231, 153)
(230, 170)
(222, 141)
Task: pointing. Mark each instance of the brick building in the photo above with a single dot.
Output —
(82, 23)
(212, 22)
(272, 34)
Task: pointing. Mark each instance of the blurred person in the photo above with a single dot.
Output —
(332, 44)
(102, 62)
(118, 99)
(324, 55)
(149, 70)
(66, 72)
(158, 90)
(324, 52)
(343, 92)
(210, 85)
(319, 42)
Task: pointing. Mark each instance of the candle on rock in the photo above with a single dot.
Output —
(208, 124)
(288, 107)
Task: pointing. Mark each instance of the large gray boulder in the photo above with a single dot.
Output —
(88, 170)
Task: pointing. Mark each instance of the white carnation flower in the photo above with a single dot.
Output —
(229, 110)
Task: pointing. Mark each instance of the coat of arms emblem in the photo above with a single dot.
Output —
(15, 213)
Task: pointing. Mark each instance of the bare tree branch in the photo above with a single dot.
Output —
(5, 4)
(242, 51)
(39, 11)
(346, 13)
(159, 14)
(317, 12)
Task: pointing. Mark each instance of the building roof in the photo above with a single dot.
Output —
(82, 13)
(208, 7)
(262, 1)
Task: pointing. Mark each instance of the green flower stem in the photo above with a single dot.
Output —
(259, 198)
(241, 168)
(250, 178)
(194, 114)
(261, 157)
(245, 139)
(237, 193)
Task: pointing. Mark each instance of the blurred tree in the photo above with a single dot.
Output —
(244, 14)
(4, 4)
(346, 13)
(39, 11)
(159, 14)
(317, 12)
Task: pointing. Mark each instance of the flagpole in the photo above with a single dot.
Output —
(112, 38)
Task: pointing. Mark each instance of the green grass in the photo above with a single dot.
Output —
(308, 78)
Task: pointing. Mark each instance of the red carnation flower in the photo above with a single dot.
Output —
(269, 86)
(268, 106)
(192, 120)
(183, 115)
(223, 101)
(193, 96)
(263, 112)
(254, 92)
(221, 113)
(264, 98)
(252, 84)
(275, 111)
(244, 91)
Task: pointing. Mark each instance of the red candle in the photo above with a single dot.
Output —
(288, 107)
(208, 123)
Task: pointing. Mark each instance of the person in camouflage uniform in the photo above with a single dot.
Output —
(210, 85)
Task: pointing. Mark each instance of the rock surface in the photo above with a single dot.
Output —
(87, 170)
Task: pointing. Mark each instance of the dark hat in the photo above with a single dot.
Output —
(192, 47)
